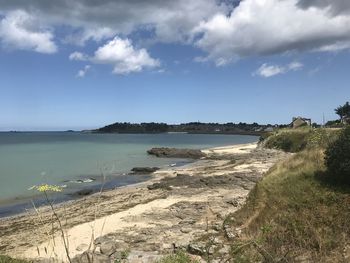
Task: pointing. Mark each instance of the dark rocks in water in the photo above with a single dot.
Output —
(145, 170)
(84, 192)
(176, 153)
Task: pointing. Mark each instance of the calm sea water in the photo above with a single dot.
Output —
(64, 158)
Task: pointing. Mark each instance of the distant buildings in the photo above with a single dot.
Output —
(300, 121)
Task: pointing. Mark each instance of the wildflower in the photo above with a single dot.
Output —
(46, 188)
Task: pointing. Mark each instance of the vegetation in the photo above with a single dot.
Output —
(295, 140)
(178, 257)
(294, 214)
(6, 259)
(338, 157)
(343, 111)
(192, 127)
(289, 140)
(135, 128)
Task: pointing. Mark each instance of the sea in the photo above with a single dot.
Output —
(78, 160)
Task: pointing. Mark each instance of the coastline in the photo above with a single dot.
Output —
(203, 190)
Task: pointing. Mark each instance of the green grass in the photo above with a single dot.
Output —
(6, 259)
(293, 213)
(179, 257)
(295, 140)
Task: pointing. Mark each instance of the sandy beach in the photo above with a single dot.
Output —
(172, 210)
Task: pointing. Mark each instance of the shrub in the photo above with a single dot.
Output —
(6, 259)
(289, 140)
(338, 157)
(178, 257)
(321, 138)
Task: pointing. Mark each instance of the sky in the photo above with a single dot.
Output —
(84, 64)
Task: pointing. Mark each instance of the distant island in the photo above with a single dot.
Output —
(191, 127)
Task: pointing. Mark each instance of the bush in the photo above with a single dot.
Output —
(178, 257)
(288, 140)
(338, 157)
(6, 259)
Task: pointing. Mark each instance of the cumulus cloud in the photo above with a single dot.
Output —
(333, 6)
(267, 70)
(19, 30)
(121, 54)
(225, 30)
(100, 19)
(124, 57)
(81, 73)
(266, 27)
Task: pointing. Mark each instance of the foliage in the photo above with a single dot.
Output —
(178, 257)
(135, 127)
(343, 110)
(295, 140)
(338, 157)
(46, 188)
(191, 127)
(289, 140)
(6, 259)
(264, 136)
(321, 138)
(293, 216)
(334, 123)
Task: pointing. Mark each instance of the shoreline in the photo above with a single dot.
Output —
(19, 205)
(228, 172)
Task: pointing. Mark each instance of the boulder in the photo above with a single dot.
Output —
(144, 170)
(176, 153)
(84, 192)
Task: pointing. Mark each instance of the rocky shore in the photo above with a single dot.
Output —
(140, 223)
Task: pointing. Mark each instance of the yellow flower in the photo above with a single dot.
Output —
(47, 188)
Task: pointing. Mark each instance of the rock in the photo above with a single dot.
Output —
(225, 250)
(158, 186)
(176, 153)
(233, 202)
(108, 248)
(167, 246)
(145, 170)
(84, 192)
(82, 247)
(232, 233)
(185, 230)
(88, 257)
(196, 249)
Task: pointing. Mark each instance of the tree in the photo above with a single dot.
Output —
(337, 157)
(343, 111)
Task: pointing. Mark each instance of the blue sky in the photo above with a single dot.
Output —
(96, 63)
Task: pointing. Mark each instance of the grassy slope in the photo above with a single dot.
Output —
(6, 259)
(293, 214)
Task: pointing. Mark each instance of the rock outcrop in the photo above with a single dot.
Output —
(144, 170)
(176, 153)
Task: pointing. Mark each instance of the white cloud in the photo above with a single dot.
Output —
(225, 30)
(266, 70)
(294, 66)
(81, 73)
(77, 56)
(19, 30)
(124, 57)
(98, 20)
(265, 27)
(121, 54)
